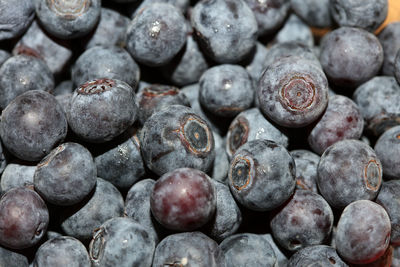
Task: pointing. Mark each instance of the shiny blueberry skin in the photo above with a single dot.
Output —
(363, 232)
(122, 242)
(194, 249)
(183, 199)
(389, 198)
(23, 218)
(225, 30)
(11, 258)
(389, 37)
(305, 220)
(248, 249)
(105, 62)
(16, 175)
(317, 255)
(368, 15)
(81, 220)
(62, 251)
(251, 125)
(176, 137)
(102, 109)
(38, 43)
(20, 74)
(253, 186)
(387, 150)
(66, 19)
(226, 90)
(341, 120)
(306, 169)
(156, 34)
(295, 31)
(315, 13)
(349, 170)
(66, 175)
(32, 124)
(293, 92)
(350, 56)
(378, 101)
(16, 16)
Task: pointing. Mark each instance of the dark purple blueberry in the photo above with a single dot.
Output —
(315, 13)
(350, 56)
(270, 14)
(66, 175)
(305, 220)
(36, 42)
(251, 125)
(341, 120)
(16, 175)
(363, 232)
(188, 249)
(365, 14)
(23, 218)
(387, 149)
(183, 199)
(68, 19)
(32, 124)
(105, 62)
(122, 242)
(156, 97)
(62, 251)
(295, 31)
(102, 109)
(226, 90)
(20, 74)
(9, 258)
(281, 258)
(349, 170)
(390, 40)
(248, 249)
(262, 175)
(176, 137)
(226, 30)
(317, 255)
(81, 220)
(16, 16)
(156, 34)
(389, 198)
(293, 92)
(306, 169)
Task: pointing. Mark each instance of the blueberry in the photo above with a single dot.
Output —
(36, 42)
(102, 109)
(377, 100)
(293, 92)
(368, 15)
(181, 5)
(349, 170)
(23, 218)
(10, 258)
(194, 249)
(156, 34)
(20, 74)
(16, 16)
(62, 251)
(390, 40)
(315, 13)
(262, 175)
(66, 175)
(350, 56)
(251, 125)
(64, 88)
(317, 255)
(281, 258)
(256, 63)
(16, 175)
(82, 219)
(363, 232)
(4, 55)
(32, 124)
(305, 220)
(396, 67)
(248, 249)
(176, 137)
(226, 30)
(121, 242)
(341, 120)
(66, 19)
(226, 90)
(105, 62)
(306, 169)
(295, 30)
(386, 149)
(221, 165)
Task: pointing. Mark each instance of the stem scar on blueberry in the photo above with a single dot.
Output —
(372, 175)
(240, 173)
(196, 136)
(298, 93)
(69, 9)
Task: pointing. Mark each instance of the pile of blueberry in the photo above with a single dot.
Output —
(215, 133)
